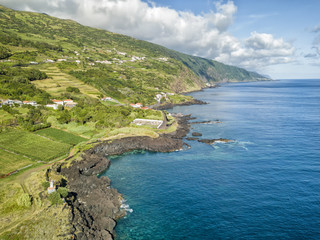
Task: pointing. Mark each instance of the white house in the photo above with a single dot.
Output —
(66, 101)
(106, 99)
(137, 105)
(58, 102)
(32, 103)
(54, 106)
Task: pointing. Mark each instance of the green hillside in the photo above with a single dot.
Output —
(112, 64)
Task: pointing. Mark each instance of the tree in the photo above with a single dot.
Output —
(4, 52)
(72, 89)
(55, 198)
(64, 117)
(63, 192)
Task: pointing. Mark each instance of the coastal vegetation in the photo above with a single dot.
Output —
(109, 79)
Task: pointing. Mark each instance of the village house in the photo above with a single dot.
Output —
(49, 61)
(66, 101)
(161, 95)
(7, 102)
(32, 103)
(70, 104)
(58, 102)
(106, 99)
(137, 105)
(54, 106)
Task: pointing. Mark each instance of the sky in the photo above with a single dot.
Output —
(279, 38)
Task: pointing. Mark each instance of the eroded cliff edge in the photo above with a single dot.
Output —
(95, 205)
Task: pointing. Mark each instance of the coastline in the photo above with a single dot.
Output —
(95, 205)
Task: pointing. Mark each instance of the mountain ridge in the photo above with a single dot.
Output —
(38, 36)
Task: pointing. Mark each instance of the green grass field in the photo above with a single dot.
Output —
(32, 145)
(61, 136)
(10, 162)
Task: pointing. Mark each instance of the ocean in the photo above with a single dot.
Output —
(264, 185)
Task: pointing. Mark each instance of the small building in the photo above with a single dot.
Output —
(54, 106)
(32, 103)
(7, 102)
(148, 122)
(52, 188)
(106, 99)
(66, 101)
(71, 104)
(59, 102)
(145, 108)
(137, 105)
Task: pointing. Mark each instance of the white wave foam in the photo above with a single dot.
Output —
(125, 206)
(240, 144)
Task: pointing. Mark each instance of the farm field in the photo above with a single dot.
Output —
(31, 145)
(61, 136)
(58, 81)
(10, 162)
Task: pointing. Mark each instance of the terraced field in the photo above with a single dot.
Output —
(58, 81)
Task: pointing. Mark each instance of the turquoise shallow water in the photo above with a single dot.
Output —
(265, 185)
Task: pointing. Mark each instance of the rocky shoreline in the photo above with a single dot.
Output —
(95, 205)
(171, 105)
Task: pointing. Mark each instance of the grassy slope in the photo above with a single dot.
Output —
(40, 220)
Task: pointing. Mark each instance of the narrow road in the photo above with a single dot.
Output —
(165, 121)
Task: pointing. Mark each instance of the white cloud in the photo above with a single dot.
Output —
(258, 51)
(204, 35)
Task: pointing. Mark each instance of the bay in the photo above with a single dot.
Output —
(264, 185)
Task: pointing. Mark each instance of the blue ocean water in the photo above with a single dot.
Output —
(265, 185)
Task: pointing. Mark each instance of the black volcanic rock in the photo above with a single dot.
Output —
(192, 138)
(196, 134)
(188, 103)
(95, 205)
